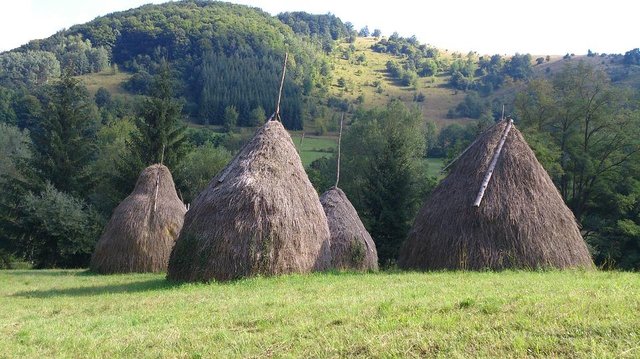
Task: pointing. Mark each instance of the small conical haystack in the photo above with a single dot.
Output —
(143, 228)
(521, 222)
(351, 245)
(258, 216)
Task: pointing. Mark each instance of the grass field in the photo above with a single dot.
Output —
(360, 79)
(314, 147)
(61, 313)
(108, 79)
(434, 167)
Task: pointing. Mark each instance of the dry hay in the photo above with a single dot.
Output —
(351, 245)
(139, 238)
(522, 221)
(258, 216)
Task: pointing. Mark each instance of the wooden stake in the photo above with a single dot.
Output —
(492, 166)
(339, 143)
(155, 201)
(284, 71)
(301, 140)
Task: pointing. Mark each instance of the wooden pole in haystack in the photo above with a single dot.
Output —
(276, 115)
(155, 199)
(339, 142)
(492, 166)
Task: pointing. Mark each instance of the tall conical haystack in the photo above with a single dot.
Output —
(351, 245)
(522, 221)
(143, 228)
(258, 216)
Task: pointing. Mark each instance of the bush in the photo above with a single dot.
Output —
(139, 83)
(62, 229)
(199, 167)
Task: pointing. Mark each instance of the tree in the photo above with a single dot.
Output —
(102, 97)
(632, 57)
(199, 167)
(257, 116)
(64, 138)
(382, 152)
(364, 32)
(15, 145)
(30, 68)
(519, 67)
(376, 33)
(230, 119)
(586, 133)
(62, 230)
(160, 133)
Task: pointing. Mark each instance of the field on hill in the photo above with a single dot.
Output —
(360, 80)
(313, 147)
(71, 313)
(109, 79)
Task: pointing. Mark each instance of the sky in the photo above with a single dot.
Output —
(538, 27)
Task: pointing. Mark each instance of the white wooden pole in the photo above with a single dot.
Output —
(284, 71)
(492, 166)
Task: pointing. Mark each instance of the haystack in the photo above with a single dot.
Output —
(143, 228)
(521, 222)
(258, 216)
(351, 245)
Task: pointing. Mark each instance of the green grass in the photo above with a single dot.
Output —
(434, 167)
(360, 79)
(314, 147)
(108, 79)
(58, 313)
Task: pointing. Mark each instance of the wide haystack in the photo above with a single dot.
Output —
(143, 228)
(351, 245)
(522, 221)
(258, 216)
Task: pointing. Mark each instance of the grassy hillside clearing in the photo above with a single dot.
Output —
(110, 80)
(360, 80)
(62, 313)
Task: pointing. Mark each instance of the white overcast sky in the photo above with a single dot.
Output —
(538, 27)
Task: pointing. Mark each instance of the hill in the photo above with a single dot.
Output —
(59, 313)
(230, 55)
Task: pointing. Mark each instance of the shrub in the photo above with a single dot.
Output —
(62, 229)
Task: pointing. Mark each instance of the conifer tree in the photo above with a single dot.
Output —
(64, 138)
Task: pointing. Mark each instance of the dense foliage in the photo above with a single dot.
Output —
(382, 172)
(213, 46)
(586, 133)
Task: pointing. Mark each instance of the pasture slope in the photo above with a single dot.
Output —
(72, 313)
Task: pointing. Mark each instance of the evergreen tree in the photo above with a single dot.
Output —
(160, 133)
(382, 175)
(64, 138)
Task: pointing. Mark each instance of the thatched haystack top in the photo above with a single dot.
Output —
(143, 228)
(351, 245)
(522, 221)
(259, 216)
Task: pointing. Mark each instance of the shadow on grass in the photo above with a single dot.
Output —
(159, 284)
(47, 272)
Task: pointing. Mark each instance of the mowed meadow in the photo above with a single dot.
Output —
(73, 313)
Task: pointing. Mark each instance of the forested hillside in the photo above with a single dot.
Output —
(85, 110)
